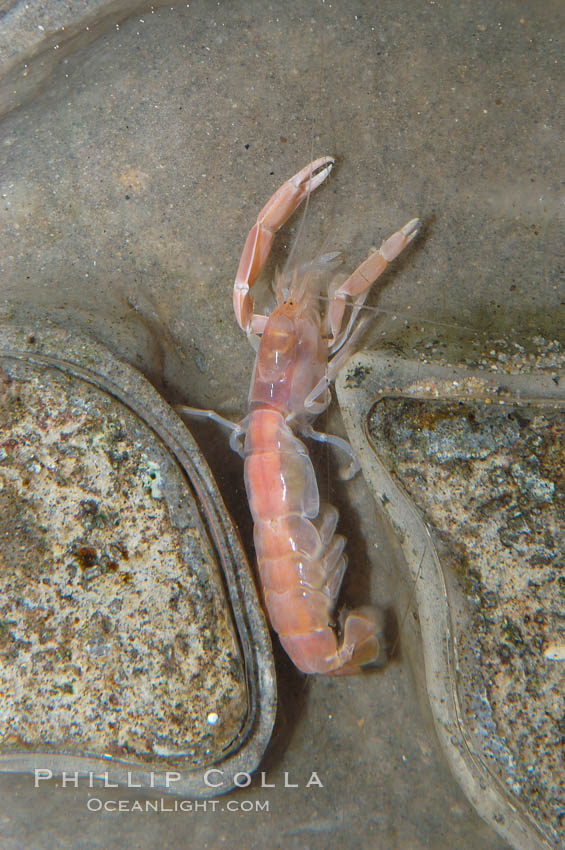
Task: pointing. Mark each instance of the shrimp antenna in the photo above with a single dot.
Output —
(294, 247)
(298, 237)
(369, 308)
(392, 650)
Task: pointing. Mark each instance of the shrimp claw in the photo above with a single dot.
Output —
(359, 283)
(274, 214)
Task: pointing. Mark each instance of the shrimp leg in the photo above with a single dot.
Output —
(339, 443)
(274, 214)
(237, 429)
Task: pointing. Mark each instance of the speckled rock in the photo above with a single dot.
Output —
(117, 638)
(469, 467)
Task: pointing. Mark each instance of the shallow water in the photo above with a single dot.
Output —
(128, 185)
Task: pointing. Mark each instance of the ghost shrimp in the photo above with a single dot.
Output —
(300, 558)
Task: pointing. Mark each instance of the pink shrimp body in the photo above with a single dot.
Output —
(299, 557)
